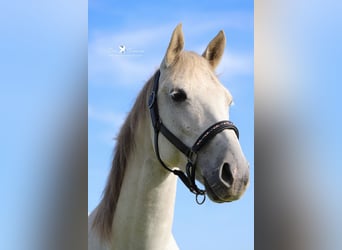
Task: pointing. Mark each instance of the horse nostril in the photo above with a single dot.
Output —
(226, 174)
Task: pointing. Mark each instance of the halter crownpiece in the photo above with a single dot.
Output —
(187, 178)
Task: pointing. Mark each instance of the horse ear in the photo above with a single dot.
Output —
(176, 45)
(213, 53)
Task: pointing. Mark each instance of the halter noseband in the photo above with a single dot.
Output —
(187, 178)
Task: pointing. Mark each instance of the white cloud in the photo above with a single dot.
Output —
(123, 69)
(104, 68)
(110, 124)
(233, 64)
(110, 118)
(198, 23)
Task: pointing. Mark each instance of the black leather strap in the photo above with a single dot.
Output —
(174, 140)
(213, 130)
(158, 124)
(191, 185)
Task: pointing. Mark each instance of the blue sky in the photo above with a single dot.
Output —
(114, 82)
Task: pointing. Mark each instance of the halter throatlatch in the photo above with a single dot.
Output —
(187, 178)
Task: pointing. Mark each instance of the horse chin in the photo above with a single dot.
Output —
(214, 193)
(211, 194)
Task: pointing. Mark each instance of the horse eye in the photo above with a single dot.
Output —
(178, 95)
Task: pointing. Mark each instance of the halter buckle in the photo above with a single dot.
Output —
(192, 158)
(151, 99)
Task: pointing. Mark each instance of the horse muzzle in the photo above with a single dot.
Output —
(227, 183)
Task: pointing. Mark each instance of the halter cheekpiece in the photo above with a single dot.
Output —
(187, 178)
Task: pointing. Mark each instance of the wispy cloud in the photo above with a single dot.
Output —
(199, 22)
(109, 118)
(107, 125)
(105, 68)
(235, 63)
(127, 69)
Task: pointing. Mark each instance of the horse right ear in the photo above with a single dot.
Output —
(176, 45)
(213, 53)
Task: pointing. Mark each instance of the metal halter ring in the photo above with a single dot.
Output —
(203, 200)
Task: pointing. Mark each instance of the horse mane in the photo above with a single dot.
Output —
(106, 209)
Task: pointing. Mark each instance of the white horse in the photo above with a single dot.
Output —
(178, 127)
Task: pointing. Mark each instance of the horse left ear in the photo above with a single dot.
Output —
(213, 53)
(176, 45)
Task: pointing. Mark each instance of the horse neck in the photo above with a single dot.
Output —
(144, 213)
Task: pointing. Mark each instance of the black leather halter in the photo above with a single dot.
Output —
(187, 178)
